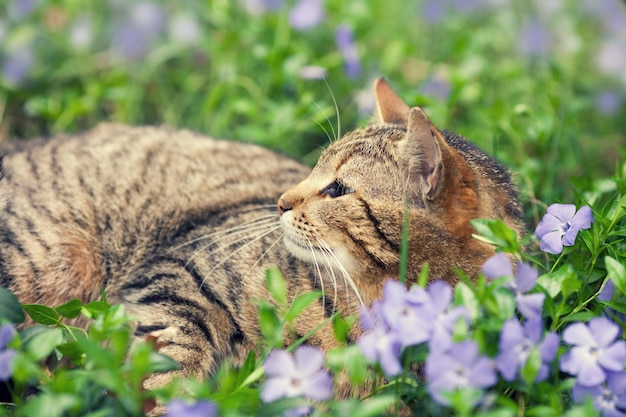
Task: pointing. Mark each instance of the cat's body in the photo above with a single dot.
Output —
(181, 228)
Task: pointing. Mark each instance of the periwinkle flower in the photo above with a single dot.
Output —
(530, 305)
(606, 397)
(516, 343)
(148, 17)
(439, 311)
(17, 65)
(436, 87)
(560, 225)
(7, 332)
(403, 312)
(184, 28)
(379, 343)
(306, 14)
(344, 38)
(534, 39)
(182, 408)
(608, 102)
(300, 374)
(461, 366)
(594, 351)
(259, 7)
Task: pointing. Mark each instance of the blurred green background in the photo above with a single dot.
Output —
(541, 84)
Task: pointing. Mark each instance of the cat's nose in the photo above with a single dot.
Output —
(283, 205)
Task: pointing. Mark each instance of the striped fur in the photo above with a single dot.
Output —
(180, 228)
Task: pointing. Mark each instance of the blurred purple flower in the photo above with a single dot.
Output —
(516, 343)
(379, 343)
(443, 317)
(433, 11)
(16, 66)
(560, 225)
(437, 88)
(148, 17)
(467, 6)
(181, 408)
(130, 42)
(259, 7)
(306, 14)
(534, 39)
(608, 102)
(460, 367)
(595, 351)
(7, 332)
(606, 397)
(530, 305)
(344, 38)
(403, 312)
(184, 28)
(19, 9)
(607, 291)
(300, 374)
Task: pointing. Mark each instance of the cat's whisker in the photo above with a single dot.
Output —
(317, 269)
(330, 90)
(220, 263)
(260, 228)
(333, 278)
(268, 218)
(326, 248)
(265, 252)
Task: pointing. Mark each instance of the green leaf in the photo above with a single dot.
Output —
(422, 280)
(50, 405)
(40, 341)
(342, 326)
(71, 309)
(349, 359)
(616, 273)
(42, 314)
(271, 327)
(10, 308)
(300, 303)
(466, 296)
(497, 233)
(531, 368)
(276, 286)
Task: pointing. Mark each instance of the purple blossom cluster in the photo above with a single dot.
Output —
(560, 226)
(300, 374)
(7, 332)
(182, 408)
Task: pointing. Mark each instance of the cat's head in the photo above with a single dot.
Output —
(349, 212)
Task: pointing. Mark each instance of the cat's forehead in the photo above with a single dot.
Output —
(372, 144)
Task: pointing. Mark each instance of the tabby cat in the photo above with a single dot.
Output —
(181, 228)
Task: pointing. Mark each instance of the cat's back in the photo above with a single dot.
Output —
(79, 210)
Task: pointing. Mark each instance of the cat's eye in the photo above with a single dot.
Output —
(337, 189)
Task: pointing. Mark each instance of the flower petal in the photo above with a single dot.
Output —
(564, 212)
(530, 305)
(280, 363)
(512, 334)
(440, 294)
(582, 219)
(549, 347)
(549, 223)
(590, 374)
(526, 277)
(6, 335)
(6, 364)
(613, 357)
(552, 243)
(508, 363)
(578, 334)
(319, 387)
(499, 265)
(275, 388)
(309, 360)
(580, 393)
(483, 374)
(603, 330)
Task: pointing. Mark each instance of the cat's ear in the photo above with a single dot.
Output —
(390, 107)
(424, 153)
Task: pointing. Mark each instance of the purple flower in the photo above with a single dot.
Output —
(184, 28)
(460, 367)
(606, 397)
(7, 332)
(530, 305)
(306, 14)
(300, 374)
(595, 351)
(608, 102)
(259, 7)
(379, 343)
(16, 66)
(560, 225)
(516, 343)
(20, 9)
(404, 312)
(149, 18)
(433, 11)
(436, 87)
(443, 317)
(534, 39)
(344, 38)
(181, 408)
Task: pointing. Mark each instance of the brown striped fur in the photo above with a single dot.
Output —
(180, 228)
